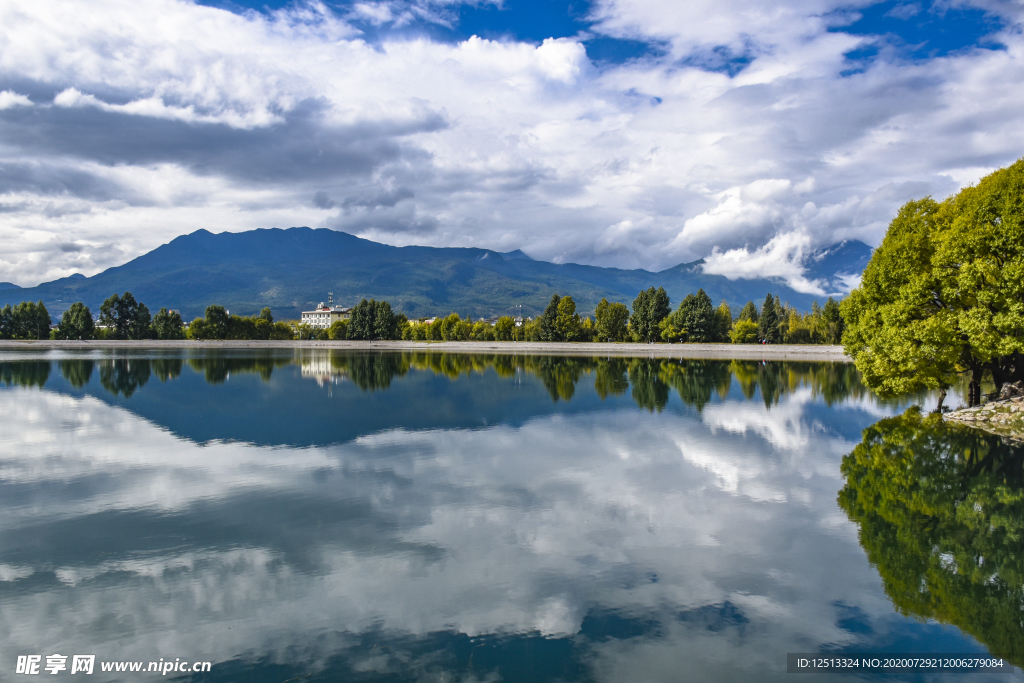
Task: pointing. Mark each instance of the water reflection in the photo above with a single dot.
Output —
(330, 516)
(25, 374)
(77, 371)
(940, 508)
(649, 381)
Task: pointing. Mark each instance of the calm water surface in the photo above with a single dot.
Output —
(322, 516)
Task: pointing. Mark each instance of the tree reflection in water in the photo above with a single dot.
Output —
(124, 375)
(941, 514)
(77, 371)
(218, 366)
(650, 382)
(33, 373)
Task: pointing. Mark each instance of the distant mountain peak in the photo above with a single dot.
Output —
(514, 255)
(9, 285)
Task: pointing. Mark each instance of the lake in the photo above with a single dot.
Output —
(313, 515)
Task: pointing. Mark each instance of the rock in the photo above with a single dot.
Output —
(1006, 391)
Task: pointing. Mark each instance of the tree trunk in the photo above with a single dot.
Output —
(974, 388)
(942, 397)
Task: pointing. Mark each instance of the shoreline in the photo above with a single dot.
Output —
(793, 352)
(1002, 417)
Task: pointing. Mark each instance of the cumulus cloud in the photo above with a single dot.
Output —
(781, 257)
(751, 123)
(10, 99)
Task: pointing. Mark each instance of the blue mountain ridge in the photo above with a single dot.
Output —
(293, 269)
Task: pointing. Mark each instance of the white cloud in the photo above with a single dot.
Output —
(10, 99)
(500, 144)
(781, 257)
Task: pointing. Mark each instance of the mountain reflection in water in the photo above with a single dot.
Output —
(412, 516)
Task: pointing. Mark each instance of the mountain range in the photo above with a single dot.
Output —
(293, 269)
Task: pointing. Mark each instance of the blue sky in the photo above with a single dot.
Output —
(632, 133)
(914, 30)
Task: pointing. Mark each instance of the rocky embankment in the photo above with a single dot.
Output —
(1003, 416)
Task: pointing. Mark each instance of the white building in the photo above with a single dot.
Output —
(323, 315)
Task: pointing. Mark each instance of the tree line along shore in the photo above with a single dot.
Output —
(695, 320)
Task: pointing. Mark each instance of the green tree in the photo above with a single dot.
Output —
(124, 317)
(482, 331)
(168, 325)
(450, 327)
(744, 332)
(546, 324)
(723, 323)
(197, 330)
(768, 323)
(699, 319)
(218, 322)
(612, 321)
(940, 512)
(360, 323)
(6, 322)
(337, 330)
(282, 331)
(749, 312)
(650, 307)
(265, 314)
(504, 328)
(899, 330)
(76, 323)
(385, 322)
(30, 321)
(567, 321)
(944, 292)
(832, 321)
(373, 320)
(673, 327)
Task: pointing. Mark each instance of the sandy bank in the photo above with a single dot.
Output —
(708, 351)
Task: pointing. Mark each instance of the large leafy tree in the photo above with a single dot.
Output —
(650, 307)
(385, 322)
(375, 320)
(76, 323)
(218, 322)
(504, 328)
(567, 321)
(940, 511)
(124, 317)
(28, 320)
(168, 325)
(612, 321)
(944, 293)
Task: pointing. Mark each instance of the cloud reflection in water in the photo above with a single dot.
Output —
(591, 538)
